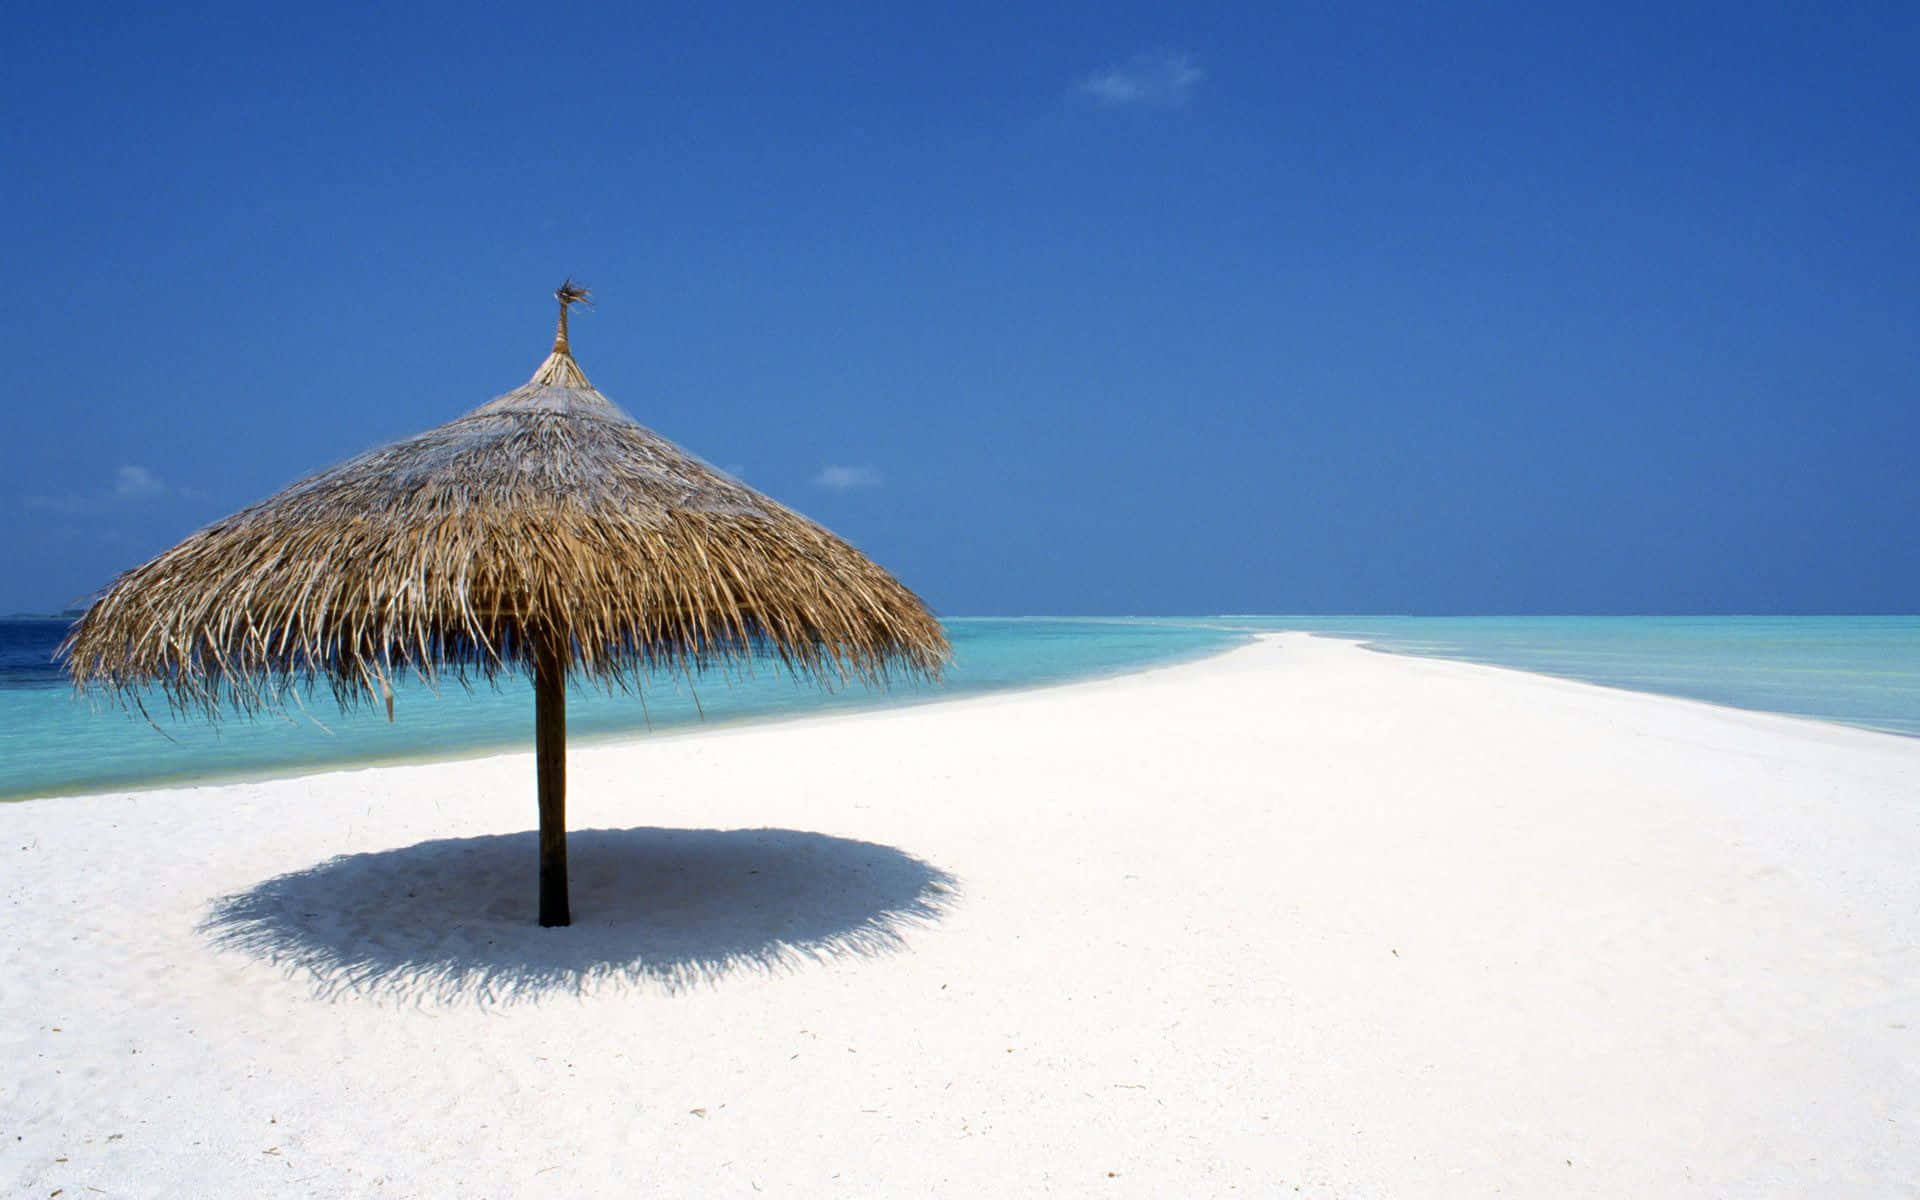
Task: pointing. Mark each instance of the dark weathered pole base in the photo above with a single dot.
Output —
(550, 760)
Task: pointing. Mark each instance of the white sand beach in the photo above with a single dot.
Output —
(1300, 919)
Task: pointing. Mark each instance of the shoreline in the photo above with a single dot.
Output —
(1373, 647)
(1540, 649)
(602, 737)
(882, 701)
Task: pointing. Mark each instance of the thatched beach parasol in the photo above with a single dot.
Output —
(544, 530)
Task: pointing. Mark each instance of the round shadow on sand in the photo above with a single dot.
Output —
(453, 921)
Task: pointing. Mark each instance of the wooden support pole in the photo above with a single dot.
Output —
(550, 758)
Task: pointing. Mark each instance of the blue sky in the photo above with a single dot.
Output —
(1074, 309)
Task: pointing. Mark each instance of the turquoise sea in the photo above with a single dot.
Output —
(1861, 671)
(52, 743)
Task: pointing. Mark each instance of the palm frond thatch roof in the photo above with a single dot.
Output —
(544, 516)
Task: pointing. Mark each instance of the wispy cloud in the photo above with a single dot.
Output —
(137, 483)
(842, 479)
(1162, 79)
(131, 485)
(66, 504)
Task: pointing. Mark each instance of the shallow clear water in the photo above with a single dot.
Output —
(1861, 671)
(52, 743)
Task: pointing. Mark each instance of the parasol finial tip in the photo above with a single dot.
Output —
(568, 293)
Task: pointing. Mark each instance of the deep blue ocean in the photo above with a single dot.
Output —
(1862, 671)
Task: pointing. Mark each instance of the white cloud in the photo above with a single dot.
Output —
(137, 483)
(66, 505)
(131, 485)
(1163, 79)
(841, 479)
